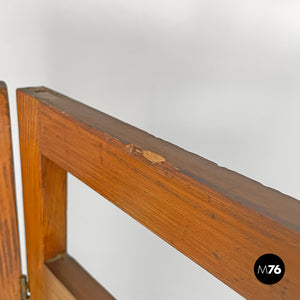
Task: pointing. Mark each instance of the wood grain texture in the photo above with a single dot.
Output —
(44, 195)
(54, 208)
(77, 281)
(237, 187)
(221, 220)
(32, 190)
(10, 267)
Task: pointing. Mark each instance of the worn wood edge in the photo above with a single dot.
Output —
(3, 88)
(10, 261)
(76, 279)
(264, 200)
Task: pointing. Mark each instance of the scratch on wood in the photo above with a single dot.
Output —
(133, 148)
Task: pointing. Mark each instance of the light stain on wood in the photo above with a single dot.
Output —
(153, 157)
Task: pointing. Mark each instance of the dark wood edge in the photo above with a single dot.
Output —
(280, 208)
(3, 89)
(76, 279)
(2, 85)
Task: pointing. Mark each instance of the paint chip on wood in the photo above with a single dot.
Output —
(153, 157)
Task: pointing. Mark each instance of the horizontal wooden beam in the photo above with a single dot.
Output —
(267, 201)
(75, 279)
(220, 219)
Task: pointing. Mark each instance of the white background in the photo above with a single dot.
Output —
(219, 78)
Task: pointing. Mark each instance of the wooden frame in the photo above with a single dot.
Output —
(10, 266)
(220, 219)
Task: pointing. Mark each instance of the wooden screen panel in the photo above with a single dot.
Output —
(10, 267)
(220, 219)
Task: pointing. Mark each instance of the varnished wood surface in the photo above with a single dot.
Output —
(44, 194)
(10, 267)
(237, 187)
(54, 289)
(77, 281)
(32, 191)
(54, 190)
(221, 220)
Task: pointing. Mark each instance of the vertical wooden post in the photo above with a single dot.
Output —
(44, 195)
(10, 267)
